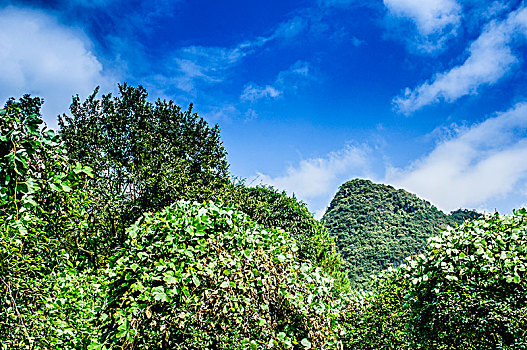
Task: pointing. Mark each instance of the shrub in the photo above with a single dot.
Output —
(205, 277)
(470, 288)
(377, 318)
(274, 209)
(40, 218)
(467, 291)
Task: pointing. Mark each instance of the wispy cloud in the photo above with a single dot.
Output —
(40, 56)
(429, 16)
(490, 58)
(316, 180)
(225, 113)
(288, 29)
(425, 25)
(254, 92)
(287, 80)
(194, 64)
(483, 162)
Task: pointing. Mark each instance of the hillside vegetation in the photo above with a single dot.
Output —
(117, 233)
(377, 226)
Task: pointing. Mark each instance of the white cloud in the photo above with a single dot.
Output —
(288, 29)
(478, 166)
(286, 80)
(484, 162)
(42, 57)
(225, 113)
(250, 115)
(490, 59)
(429, 16)
(209, 65)
(425, 25)
(255, 92)
(316, 180)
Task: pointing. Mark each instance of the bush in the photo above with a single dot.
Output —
(470, 288)
(274, 209)
(205, 277)
(41, 217)
(378, 318)
(467, 291)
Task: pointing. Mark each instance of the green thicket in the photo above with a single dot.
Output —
(42, 223)
(107, 247)
(272, 208)
(206, 277)
(147, 155)
(377, 226)
(468, 290)
(70, 253)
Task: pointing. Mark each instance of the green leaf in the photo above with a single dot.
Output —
(196, 281)
(66, 186)
(306, 343)
(55, 187)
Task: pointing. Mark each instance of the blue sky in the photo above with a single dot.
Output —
(430, 96)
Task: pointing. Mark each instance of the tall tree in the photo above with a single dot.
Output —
(144, 155)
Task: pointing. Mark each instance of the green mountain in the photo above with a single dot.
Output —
(377, 226)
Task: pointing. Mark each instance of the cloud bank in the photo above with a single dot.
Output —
(486, 161)
(469, 167)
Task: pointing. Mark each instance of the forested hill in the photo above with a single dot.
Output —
(377, 226)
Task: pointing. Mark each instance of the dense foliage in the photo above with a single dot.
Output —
(206, 277)
(461, 215)
(114, 257)
(468, 290)
(144, 155)
(274, 209)
(377, 226)
(42, 217)
(60, 223)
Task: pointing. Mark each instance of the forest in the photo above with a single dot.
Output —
(124, 229)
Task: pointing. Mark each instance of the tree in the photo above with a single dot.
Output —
(461, 215)
(144, 155)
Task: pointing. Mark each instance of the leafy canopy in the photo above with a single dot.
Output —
(144, 155)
